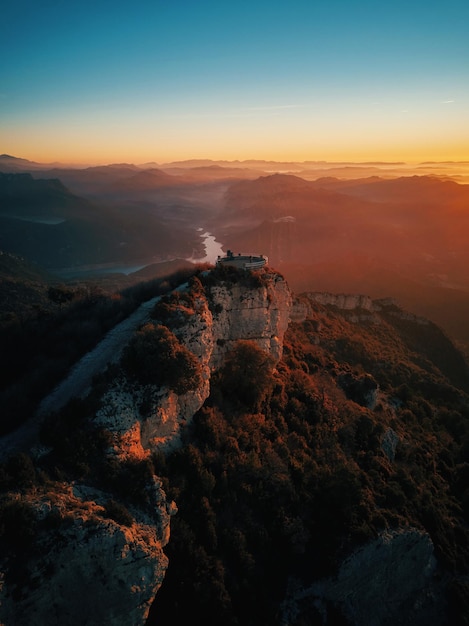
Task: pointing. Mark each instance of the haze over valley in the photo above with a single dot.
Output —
(395, 233)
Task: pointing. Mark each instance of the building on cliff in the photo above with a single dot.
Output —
(243, 261)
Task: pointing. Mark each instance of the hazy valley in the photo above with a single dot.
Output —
(378, 229)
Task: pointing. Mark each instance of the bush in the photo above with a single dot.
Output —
(118, 512)
(155, 357)
(247, 374)
(18, 525)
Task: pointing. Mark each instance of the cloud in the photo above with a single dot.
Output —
(447, 102)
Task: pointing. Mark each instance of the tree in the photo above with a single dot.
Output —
(154, 356)
(247, 374)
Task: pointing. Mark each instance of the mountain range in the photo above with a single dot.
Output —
(393, 233)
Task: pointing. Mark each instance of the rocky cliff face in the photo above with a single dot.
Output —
(85, 567)
(96, 558)
(259, 314)
(220, 313)
(390, 579)
(95, 561)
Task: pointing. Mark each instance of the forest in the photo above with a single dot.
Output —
(361, 428)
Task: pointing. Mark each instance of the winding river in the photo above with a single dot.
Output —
(213, 249)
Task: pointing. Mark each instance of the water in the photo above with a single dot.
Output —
(213, 249)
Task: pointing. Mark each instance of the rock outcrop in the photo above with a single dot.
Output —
(259, 314)
(96, 560)
(219, 314)
(391, 579)
(91, 562)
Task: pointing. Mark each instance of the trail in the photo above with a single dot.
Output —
(78, 382)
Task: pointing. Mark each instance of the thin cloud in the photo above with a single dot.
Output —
(447, 102)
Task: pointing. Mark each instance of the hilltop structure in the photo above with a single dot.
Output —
(243, 261)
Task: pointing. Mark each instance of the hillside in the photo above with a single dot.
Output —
(44, 222)
(46, 325)
(378, 229)
(318, 467)
(405, 238)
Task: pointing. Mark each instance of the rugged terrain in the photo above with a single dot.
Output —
(298, 459)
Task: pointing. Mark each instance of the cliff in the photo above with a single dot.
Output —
(207, 318)
(349, 469)
(83, 566)
(393, 578)
(96, 556)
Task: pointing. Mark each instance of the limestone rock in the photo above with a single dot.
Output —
(143, 418)
(259, 314)
(392, 579)
(344, 301)
(389, 443)
(362, 389)
(84, 567)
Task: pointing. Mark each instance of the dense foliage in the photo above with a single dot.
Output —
(284, 484)
(155, 356)
(362, 426)
(45, 329)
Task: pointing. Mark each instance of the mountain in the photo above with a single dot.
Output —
(212, 172)
(23, 289)
(411, 190)
(14, 268)
(399, 238)
(296, 459)
(385, 234)
(143, 180)
(93, 181)
(23, 196)
(43, 221)
(10, 163)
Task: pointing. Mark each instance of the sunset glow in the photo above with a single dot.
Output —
(296, 81)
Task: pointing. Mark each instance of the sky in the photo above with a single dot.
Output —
(108, 82)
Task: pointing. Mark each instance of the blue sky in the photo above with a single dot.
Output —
(116, 81)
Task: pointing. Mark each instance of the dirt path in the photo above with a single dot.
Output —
(78, 382)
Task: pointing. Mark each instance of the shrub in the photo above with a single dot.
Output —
(247, 374)
(155, 356)
(118, 512)
(18, 525)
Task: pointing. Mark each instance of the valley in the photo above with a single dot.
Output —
(378, 229)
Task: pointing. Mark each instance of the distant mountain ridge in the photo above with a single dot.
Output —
(44, 222)
(328, 226)
(21, 194)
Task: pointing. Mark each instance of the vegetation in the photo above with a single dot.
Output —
(229, 275)
(46, 328)
(155, 356)
(118, 512)
(286, 481)
(284, 470)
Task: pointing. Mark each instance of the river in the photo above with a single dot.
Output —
(213, 249)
